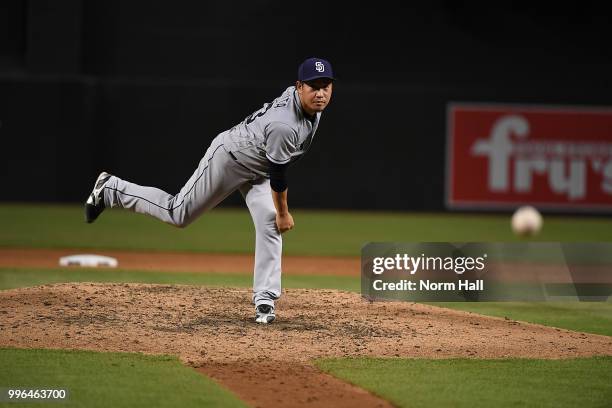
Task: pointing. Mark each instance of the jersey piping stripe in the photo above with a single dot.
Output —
(188, 192)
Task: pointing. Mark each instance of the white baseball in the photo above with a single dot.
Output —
(526, 221)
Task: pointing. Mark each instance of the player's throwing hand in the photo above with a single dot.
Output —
(284, 222)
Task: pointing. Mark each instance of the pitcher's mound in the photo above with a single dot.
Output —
(205, 325)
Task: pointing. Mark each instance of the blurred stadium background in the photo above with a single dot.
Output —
(140, 88)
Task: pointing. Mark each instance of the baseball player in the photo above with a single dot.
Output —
(251, 157)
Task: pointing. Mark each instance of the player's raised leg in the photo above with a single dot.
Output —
(217, 176)
(268, 248)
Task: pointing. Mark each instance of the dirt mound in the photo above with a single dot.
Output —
(211, 325)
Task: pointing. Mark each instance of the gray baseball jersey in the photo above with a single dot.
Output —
(279, 132)
(236, 160)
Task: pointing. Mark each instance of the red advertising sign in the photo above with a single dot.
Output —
(501, 156)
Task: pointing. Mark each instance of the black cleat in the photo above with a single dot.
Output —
(264, 314)
(95, 202)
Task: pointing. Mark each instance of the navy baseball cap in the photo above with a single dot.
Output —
(314, 68)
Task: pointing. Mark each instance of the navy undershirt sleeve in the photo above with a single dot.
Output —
(278, 176)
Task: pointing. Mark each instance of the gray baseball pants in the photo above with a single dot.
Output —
(217, 176)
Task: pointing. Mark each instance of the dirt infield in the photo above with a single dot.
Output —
(213, 329)
(270, 383)
(183, 262)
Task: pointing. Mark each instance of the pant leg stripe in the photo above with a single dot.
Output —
(182, 202)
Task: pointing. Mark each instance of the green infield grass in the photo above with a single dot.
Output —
(230, 230)
(584, 382)
(590, 317)
(110, 379)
